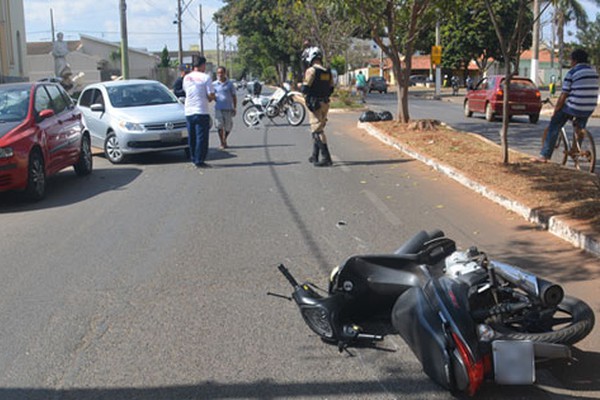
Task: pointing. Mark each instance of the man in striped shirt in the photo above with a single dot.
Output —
(577, 101)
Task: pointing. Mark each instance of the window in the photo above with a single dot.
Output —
(86, 98)
(58, 101)
(42, 100)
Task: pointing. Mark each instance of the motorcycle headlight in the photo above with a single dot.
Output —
(317, 319)
(6, 152)
(131, 126)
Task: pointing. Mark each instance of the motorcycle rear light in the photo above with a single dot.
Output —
(317, 319)
(475, 369)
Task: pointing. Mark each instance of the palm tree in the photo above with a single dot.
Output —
(566, 11)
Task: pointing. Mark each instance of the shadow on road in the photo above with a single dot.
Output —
(66, 188)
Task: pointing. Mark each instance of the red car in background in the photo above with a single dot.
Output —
(487, 96)
(41, 133)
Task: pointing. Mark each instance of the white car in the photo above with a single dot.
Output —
(133, 116)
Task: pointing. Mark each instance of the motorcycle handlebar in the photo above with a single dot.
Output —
(288, 275)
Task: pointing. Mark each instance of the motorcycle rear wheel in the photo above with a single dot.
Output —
(295, 113)
(571, 322)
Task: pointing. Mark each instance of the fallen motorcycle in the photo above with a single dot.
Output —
(465, 317)
(281, 103)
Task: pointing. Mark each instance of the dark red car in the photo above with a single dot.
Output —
(487, 97)
(41, 133)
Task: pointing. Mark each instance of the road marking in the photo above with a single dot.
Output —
(380, 205)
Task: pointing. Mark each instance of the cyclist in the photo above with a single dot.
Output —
(577, 101)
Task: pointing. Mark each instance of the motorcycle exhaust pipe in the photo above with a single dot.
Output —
(550, 294)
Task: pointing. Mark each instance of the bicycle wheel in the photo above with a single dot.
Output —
(559, 154)
(584, 152)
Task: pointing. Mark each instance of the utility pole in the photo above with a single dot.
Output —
(438, 68)
(218, 50)
(52, 24)
(180, 48)
(201, 29)
(124, 45)
(536, 42)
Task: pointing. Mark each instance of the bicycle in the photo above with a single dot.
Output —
(579, 152)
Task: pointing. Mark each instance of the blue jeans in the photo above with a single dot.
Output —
(198, 126)
(558, 120)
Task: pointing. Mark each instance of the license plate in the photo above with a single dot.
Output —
(171, 137)
(518, 107)
(514, 362)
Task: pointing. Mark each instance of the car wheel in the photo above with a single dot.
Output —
(83, 166)
(112, 151)
(468, 112)
(534, 118)
(36, 177)
(385, 91)
(489, 114)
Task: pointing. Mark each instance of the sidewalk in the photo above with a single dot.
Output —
(568, 230)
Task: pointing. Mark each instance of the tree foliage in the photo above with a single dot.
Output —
(165, 60)
(467, 33)
(590, 40)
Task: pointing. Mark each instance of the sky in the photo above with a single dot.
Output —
(149, 22)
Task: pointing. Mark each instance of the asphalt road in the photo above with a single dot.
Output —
(148, 280)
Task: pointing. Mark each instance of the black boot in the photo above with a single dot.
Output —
(314, 158)
(326, 160)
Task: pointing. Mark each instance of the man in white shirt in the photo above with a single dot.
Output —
(199, 92)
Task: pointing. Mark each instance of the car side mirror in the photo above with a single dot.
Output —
(97, 107)
(47, 113)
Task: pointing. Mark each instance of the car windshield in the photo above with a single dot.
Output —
(14, 104)
(143, 94)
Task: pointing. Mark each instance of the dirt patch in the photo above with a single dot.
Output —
(547, 188)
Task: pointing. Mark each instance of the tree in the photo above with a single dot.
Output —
(165, 60)
(395, 26)
(511, 35)
(566, 11)
(590, 39)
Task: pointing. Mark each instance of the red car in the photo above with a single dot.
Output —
(41, 133)
(487, 97)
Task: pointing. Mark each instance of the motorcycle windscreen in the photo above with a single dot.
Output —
(421, 328)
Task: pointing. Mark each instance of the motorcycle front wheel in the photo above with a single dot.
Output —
(252, 116)
(295, 113)
(571, 321)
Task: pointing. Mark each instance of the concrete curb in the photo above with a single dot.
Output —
(554, 224)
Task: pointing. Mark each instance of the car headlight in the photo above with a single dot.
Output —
(6, 152)
(131, 126)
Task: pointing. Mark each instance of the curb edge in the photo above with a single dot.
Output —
(553, 224)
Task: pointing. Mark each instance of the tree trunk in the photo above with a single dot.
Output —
(505, 113)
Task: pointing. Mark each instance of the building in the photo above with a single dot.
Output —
(97, 59)
(12, 41)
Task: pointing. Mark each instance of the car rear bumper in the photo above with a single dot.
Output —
(518, 108)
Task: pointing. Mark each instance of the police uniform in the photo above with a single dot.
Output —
(317, 87)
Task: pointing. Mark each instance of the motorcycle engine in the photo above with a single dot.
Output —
(461, 263)
(272, 111)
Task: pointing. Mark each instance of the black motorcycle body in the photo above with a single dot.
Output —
(282, 103)
(465, 318)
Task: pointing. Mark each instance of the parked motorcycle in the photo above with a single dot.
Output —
(465, 317)
(281, 103)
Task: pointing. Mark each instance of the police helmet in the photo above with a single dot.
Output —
(311, 54)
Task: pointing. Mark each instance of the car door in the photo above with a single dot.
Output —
(69, 121)
(94, 121)
(50, 129)
(477, 96)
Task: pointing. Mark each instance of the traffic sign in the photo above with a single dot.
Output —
(436, 55)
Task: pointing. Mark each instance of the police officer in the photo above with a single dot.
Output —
(317, 87)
